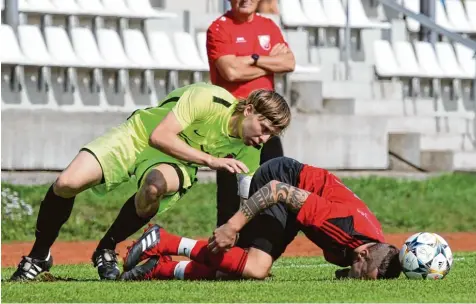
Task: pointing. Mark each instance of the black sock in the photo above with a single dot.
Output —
(54, 212)
(126, 224)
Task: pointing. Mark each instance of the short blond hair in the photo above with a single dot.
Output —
(270, 104)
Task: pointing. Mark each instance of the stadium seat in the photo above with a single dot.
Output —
(359, 19)
(63, 80)
(143, 7)
(385, 62)
(115, 79)
(335, 12)
(11, 57)
(202, 46)
(427, 59)
(141, 84)
(315, 12)
(407, 60)
(89, 80)
(68, 7)
(37, 79)
(471, 12)
(37, 7)
(466, 60)
(292, 14)
(187, 52)
(162, 50)
(457, 16)
(448, 62)
(442, 17)
(414, 6)
(299, 42)
(120, 9)
(94, 7)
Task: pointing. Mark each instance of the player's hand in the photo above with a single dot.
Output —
(278, 49)
(224, 237)
(229, 164)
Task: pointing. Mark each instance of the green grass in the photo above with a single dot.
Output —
(445, 204)
(294, 280)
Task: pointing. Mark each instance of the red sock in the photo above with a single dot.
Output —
(232, 261)
(169, 243)
(184, 270)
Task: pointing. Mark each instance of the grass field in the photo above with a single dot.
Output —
(294, 280)
(444, 203)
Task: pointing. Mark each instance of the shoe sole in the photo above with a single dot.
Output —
(139, 272)
(149, 239)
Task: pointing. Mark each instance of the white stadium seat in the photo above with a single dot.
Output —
(359, 19)
(427, 59)
(137, 50)
(414, 6)
(315, 12)
(386, 64)
(112, 50)
(187, 52)
(466, 60)
(86, 48)
(120, 9)
(471, 12)
(94, 7)
(38, 6)
(11, 54)
(442, 17)
(33, 45)
(447, 60)
(60, 47)
(292, 14)
(457, 16)
(335, 12)
(68, 7)
(143, 7)
(406, 59)
(202, 46)
(162, 50)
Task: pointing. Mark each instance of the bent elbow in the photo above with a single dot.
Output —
(230, 74)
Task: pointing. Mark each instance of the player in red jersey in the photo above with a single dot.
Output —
(287, 196)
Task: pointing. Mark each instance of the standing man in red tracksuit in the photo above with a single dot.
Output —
(245, 50)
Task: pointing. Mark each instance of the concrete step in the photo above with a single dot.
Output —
(431, 125)
(448, 160)
(456, 142)
(395, 107)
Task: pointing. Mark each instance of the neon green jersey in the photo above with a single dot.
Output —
(204, 111)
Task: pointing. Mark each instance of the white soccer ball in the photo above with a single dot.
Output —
(426, 255)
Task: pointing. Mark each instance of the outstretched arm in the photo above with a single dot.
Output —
(272, 193)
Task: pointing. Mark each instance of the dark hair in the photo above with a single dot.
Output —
(384, 257)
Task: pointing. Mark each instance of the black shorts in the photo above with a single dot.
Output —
(272, 230)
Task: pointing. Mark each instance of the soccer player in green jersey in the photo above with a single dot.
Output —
(194, 126)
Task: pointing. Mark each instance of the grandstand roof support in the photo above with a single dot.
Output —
(11, 13)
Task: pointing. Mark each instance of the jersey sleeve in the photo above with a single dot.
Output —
(276, 34)
(195, 104)
(218, 42)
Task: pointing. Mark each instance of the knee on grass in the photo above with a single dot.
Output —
(257, 269)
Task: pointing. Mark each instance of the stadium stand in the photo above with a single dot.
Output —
(117, 55)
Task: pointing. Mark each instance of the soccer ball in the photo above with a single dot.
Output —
(426, 255)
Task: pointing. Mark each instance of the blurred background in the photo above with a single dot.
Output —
(379, 84)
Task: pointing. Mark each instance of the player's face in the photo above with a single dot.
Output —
(244, 7)
(256, 129)
(359, 269)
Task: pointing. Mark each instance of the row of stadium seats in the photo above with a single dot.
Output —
(130, 9)
(452, 15)
(421, 60)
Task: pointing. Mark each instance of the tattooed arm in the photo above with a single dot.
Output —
(272, 193)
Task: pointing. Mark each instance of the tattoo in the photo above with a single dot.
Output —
(271, 194)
